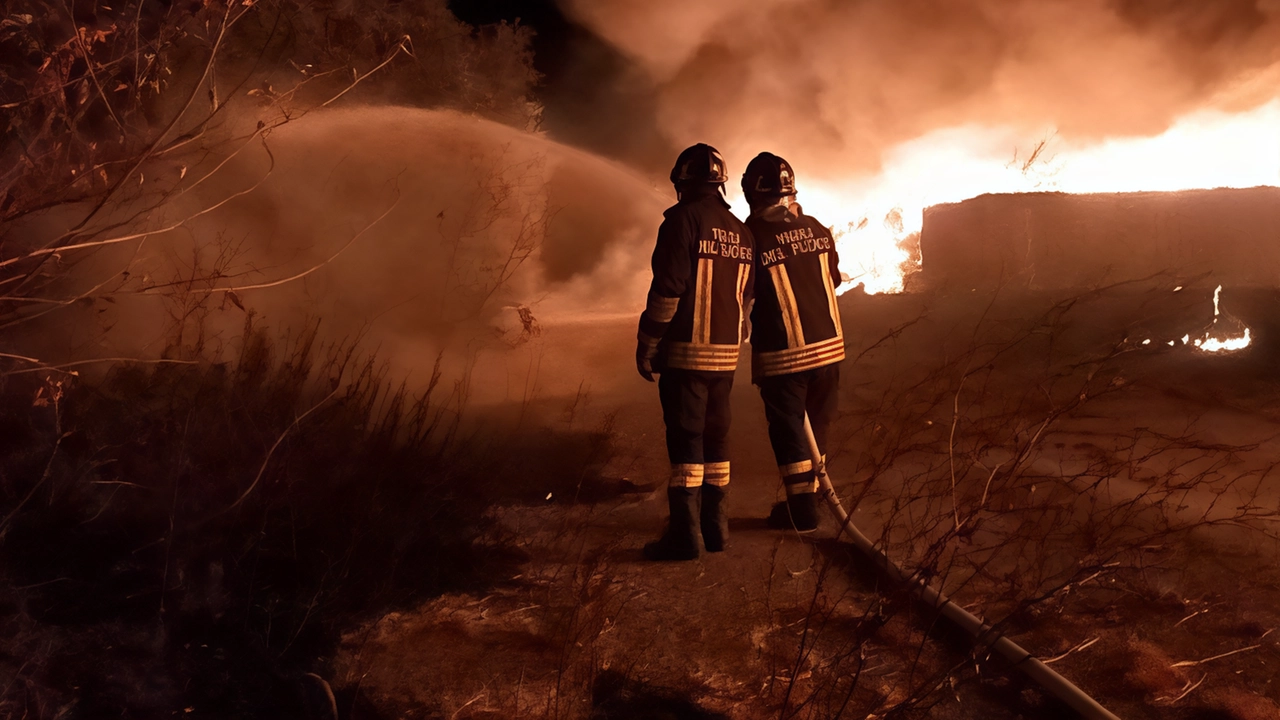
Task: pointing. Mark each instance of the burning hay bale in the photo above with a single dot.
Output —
(1059, 241)
(1166, 253)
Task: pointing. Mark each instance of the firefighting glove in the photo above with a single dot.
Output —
(646, 351)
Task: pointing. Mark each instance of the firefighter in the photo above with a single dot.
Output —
(796, 341)
(689, 335)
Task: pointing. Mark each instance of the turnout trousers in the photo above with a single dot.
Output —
(786, 400)
(695, 409)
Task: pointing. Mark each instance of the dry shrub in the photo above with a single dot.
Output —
(198, 535)
(973, 475)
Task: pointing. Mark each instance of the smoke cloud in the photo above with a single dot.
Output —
(831, 84)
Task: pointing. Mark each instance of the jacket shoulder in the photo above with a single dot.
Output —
(775, 218)
(813, 222)
(704, 206)
(698, 213)
(676, 211)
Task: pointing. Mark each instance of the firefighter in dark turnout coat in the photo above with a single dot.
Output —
(796, 340)
(689, 334)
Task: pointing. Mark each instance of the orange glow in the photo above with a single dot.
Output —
(874, 216)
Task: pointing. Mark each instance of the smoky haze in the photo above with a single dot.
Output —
(413, 232)
(831, 85)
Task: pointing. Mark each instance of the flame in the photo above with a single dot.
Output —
(1217, 339)
(1228, 345)
(874, 218)
(1212, 342)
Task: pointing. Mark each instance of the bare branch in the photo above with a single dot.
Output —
(296, 421)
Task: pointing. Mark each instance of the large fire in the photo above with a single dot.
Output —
(876, 217)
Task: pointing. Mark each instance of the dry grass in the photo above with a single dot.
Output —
(1031, 474)
(204, 532)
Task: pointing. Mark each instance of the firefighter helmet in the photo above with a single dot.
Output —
(768, 175)
(698, 164)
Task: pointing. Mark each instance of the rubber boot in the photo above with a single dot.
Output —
(715, 518)
(799, 513)
(680, 541)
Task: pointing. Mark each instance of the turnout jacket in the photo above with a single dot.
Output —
(702, 281)
(795, 324)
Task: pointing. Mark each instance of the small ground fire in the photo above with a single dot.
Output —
(1225, 337)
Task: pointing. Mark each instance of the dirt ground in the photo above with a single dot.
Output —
(1143, 570)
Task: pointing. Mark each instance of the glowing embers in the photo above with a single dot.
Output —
(1225, 334)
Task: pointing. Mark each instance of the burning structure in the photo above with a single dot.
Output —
(1052, 243)
(1058, 241)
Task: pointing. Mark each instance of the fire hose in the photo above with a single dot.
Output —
(982, 633)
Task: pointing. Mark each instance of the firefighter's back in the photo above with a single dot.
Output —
(706, 329)
(796, 320)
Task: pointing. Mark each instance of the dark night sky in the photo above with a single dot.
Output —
(594, 97)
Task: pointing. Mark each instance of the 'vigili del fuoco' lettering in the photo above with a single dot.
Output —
(726, 244)
(791, 236)
(810, 245)
(726, 236)
(774, 256)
